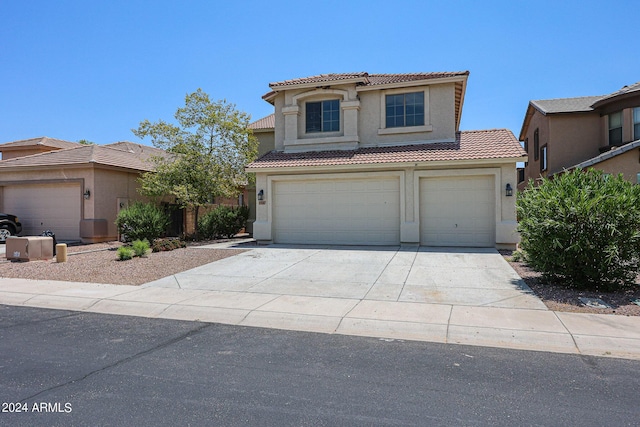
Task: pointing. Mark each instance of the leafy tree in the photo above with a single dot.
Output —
(582, 228)
(86, 142)
(208, 148)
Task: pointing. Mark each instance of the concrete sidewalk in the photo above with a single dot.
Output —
(265, 294)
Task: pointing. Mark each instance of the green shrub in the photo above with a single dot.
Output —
(517, 256)
(162, 245)
(223, 221)
(582, 228)
(142, 221)
(125, 253)
(140, 247)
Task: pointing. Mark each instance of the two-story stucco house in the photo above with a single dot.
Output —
(601, 132)
(378, 159)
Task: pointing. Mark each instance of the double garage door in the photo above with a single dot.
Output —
(341, 212)
(454, 211)
(41, 207)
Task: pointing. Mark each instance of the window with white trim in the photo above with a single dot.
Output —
(543, 158)
(636, 123)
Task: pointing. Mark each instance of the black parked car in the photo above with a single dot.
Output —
(9, 226)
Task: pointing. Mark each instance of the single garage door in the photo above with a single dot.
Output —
(340, 212)
(41, 207)
(457, 211)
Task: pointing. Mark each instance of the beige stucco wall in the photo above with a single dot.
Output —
(573, 138)
(627, 164)
(440, 115)
(107, 186)
(12, 154)
(505, 226)
(266, 141)
(541, 122)
(362, 118)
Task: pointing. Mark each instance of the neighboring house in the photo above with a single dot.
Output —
(27, 147)
(74, 190)
(593, 131)
(378, 159)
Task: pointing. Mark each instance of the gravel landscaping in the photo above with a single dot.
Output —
(559, 298)
(97, 263)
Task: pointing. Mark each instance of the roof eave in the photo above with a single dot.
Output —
(386, 166)
(421, 82)
(352, 80)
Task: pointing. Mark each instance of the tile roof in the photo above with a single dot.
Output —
(268, 122)
(136, 159)
(566, 105)
(469, 145)
(367, 79)
(41, 141)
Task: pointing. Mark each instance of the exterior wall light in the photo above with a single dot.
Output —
(261, 195)
(509, 190)
(86, 194)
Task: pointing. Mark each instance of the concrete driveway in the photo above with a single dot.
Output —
(461, 296)
(453, 276)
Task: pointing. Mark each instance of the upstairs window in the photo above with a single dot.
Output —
(636, 123)
(543, 158)
(323, 116)
(404, 109)
(536, 144)
(615, 128)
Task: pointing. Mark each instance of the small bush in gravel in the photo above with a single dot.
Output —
(223, 221)
(125, 253)
(140, 247)
(163, 245)
(582, 228)
(142, 221)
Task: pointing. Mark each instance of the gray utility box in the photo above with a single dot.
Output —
(29, 248)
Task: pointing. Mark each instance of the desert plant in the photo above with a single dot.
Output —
(142, 221)
(582, 228)
(140, 247)
(223, 221)
(162, 245)
(125, 253)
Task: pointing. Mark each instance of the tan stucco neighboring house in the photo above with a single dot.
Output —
(27, 147)
(378, 159)
(73, 190)
(565, 133)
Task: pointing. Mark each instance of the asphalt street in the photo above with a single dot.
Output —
(68, 368)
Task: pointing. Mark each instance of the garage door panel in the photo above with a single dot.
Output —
(457, 211)
(344, 211)
(40, 207)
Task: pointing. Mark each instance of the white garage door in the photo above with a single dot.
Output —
(457, 211)
(41, 207)
(342, 212)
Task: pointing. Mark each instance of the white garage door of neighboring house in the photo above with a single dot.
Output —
(457, 211)
(41, 207)
(343, 211)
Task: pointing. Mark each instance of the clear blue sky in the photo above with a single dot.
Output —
(94, 69)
